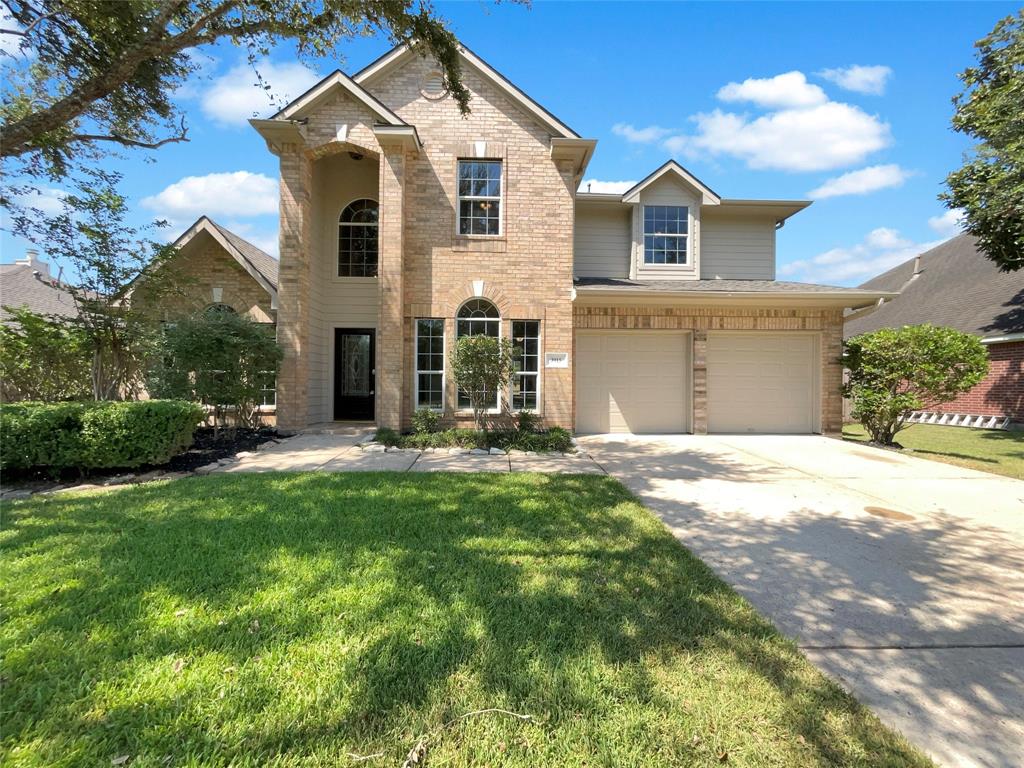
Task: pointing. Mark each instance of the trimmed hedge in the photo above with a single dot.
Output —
(95, 435)
(555, 439)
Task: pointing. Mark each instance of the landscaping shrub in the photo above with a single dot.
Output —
(554, 439)
(43, 358)
(95, 435)
(425, 420)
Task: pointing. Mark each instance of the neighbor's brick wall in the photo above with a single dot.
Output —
(1001, 393)
(700, 320)
(198, 269)
(527, 272)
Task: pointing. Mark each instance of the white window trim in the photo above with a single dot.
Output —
(540, 364)
(644, 264)
(337, 244)
(416, 367)
(500, 198)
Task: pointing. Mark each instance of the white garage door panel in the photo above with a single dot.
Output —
(761, 382)
(631, 381)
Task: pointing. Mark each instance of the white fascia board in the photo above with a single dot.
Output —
(708, 195)
(1005, 338)
(803, 298)
(339, 79)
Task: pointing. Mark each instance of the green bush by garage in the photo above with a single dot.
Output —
(95, 435)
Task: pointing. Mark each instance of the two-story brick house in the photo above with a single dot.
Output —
(405, 225)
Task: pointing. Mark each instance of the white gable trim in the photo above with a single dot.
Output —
(399, 54)
(708, 195)
(328, 85)
(205, 225)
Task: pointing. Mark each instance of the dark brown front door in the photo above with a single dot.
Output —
(353, 373)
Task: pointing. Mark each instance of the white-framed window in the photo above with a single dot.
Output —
(526, 380)
(479, 197)
(477, 317)
(430, 363)
(666, 234)
(357, 239)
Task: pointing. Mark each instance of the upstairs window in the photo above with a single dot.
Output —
(666, 229)
(479, 197)
(357, 240)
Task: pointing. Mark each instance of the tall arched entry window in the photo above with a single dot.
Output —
(357, 239)
(477, 317)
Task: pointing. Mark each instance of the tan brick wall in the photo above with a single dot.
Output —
(700, 320)
(203, 265)
(527, 272)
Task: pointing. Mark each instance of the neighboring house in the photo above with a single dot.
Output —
(405, 225)
(28, 284)
(955, 285)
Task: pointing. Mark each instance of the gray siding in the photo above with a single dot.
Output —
(738, 248)
(602, 241)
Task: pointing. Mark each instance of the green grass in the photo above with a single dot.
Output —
(990, 450)
(289, 620)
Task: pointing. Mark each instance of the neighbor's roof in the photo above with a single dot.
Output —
(19, 287)
(957, 287)
(745, 289)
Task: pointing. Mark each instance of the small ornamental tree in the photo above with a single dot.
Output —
(482, 365)
(218, 359)
(43, 357)
(896, 371)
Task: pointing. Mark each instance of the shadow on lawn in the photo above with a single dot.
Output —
(435, 595)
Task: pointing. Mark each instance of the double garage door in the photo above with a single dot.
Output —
(639, 381)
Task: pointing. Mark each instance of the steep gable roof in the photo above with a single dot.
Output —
(261, 266)
(956, 286)
(399, 54)
(672, 168)
(334, 82)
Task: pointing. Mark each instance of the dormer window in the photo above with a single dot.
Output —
(479, 197)
(357, 239)
(666, 229)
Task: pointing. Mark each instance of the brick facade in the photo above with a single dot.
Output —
(828, 323)
(1001, 393)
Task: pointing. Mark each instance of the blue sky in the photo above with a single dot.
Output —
(846, 104)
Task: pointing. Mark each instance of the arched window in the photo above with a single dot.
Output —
(219, 309)
(477, 317)
(357, 239)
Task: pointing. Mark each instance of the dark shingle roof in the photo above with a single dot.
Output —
(261, 261)
(957, 287)
(698, 286)
(19, 287)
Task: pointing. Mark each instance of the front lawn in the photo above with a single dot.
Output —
(314, 619)
(990, 450)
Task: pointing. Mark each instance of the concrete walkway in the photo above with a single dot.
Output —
(341, 453)
(903, 578)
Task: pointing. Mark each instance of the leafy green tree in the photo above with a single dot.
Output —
(896, 371)
(43, 358)
(482, 365)
(219, 359)
(102, 73)
(990, 186)
(105, 256)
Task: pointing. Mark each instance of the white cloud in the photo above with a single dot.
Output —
(817, 138)
(264, 238)
(236, 96)
(10, 44)
(47, 199)
(647, 135)
(609, 187)
(862, 182)
(880, 250)
(217, 194)
(948, 224)
(859, 78)
(787, 90)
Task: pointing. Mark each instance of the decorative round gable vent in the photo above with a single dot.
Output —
(432, 86)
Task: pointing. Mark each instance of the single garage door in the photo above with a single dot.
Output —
(761, 382)
(632, 381)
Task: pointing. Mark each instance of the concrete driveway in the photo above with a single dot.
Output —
(902, 578)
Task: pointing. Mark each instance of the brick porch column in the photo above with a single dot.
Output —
(700, 382)
(390, 251)
(293, 289)
(832, 374)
